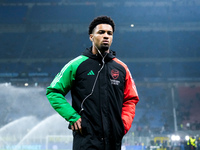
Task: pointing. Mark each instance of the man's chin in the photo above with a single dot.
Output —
(104, 48)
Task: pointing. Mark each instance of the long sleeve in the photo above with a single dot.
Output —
(130, 100)
(60, 86)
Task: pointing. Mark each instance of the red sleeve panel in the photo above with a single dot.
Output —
(130, 98)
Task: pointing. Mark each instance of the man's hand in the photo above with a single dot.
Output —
(77, 126)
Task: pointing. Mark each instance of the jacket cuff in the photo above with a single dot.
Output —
(125, 131)
(74, 118)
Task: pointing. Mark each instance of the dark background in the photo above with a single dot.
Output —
(159, 40)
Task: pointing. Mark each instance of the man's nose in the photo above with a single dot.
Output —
(106, 35)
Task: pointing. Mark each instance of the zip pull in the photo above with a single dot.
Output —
(82, 109)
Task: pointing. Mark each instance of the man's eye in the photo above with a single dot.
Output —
(110, 33)
(101, 32)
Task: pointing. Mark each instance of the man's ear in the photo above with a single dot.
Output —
(91, 37)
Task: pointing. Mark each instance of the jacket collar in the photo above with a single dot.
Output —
(109, 56)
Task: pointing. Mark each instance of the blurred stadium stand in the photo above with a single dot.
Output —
(37, 38)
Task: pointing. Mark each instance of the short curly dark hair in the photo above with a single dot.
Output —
(101, 20)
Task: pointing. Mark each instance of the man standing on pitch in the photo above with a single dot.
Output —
(104, 95)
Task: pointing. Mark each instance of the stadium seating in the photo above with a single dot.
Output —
(141, 45)
(12, 45)
(31, 1)
(151, 14)
(188, 108)
(13, 14)
(151, 111)
(62, 14)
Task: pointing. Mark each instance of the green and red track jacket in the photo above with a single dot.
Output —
(110, 109)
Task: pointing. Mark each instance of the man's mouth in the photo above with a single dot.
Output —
(106, 42)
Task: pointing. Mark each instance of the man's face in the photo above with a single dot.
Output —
(102, 36)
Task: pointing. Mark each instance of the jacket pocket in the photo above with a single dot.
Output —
(85, 125)
(118, 131)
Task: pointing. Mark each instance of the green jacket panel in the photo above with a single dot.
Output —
(60, 86)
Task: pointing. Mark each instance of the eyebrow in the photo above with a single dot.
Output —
(105, 31)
